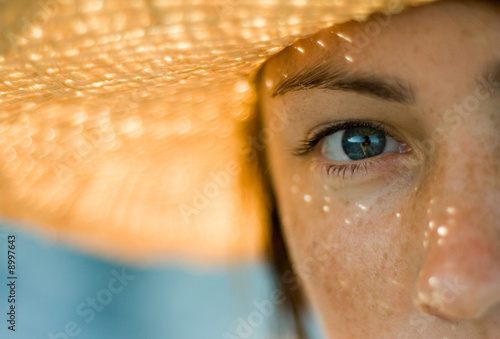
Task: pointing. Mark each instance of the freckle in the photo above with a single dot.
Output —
(294, 189)
(326, 208)
(307, 198)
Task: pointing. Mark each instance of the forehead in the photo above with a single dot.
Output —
(461, 35)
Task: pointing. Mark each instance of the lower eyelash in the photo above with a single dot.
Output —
(343, 169)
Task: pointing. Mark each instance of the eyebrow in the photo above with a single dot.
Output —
(324, 76)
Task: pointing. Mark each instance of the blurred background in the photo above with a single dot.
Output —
(61, 294)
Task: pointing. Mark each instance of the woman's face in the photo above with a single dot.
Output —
(384, 147)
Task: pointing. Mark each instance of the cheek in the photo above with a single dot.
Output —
(356, 257)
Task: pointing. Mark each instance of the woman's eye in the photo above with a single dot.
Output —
(358, 143)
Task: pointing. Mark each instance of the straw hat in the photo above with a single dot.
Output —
(124, 124)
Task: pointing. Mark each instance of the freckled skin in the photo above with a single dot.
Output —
(386, 272)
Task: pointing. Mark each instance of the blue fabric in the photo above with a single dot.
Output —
(62, 294)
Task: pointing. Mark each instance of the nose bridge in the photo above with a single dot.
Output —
(460, 273)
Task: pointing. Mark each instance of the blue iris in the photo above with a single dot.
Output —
(363, 142)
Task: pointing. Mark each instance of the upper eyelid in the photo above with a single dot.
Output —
(308, 143)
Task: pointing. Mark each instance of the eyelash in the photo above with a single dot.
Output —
(339, 169)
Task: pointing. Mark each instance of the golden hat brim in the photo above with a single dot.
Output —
(122, 123)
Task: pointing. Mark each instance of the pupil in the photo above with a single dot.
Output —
(363, 142)
(366, 141)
